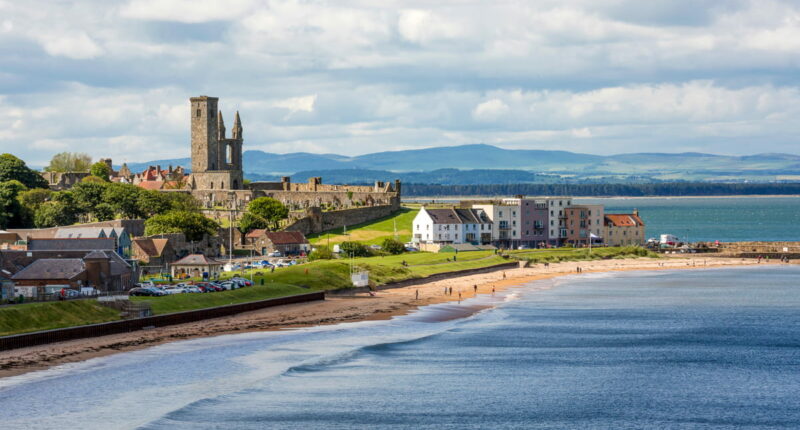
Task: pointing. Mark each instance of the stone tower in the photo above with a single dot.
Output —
(216, 160)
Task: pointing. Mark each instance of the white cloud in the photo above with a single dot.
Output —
(297, 104)
(188, 11)
(77, 46)
(490, 110)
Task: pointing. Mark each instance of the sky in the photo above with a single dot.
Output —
(113, 79)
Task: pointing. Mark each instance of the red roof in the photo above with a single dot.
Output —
(285, 237)
(151, 185)
(623, 220)
(256, 233)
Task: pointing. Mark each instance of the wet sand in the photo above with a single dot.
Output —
(336, 309)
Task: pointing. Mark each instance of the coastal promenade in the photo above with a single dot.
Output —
(360, 307)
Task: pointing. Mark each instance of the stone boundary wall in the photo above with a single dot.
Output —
(317, 221)
(759, 247)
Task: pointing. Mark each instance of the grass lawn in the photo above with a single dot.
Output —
(28, 317)
(373, 232)
(315, 276)
(187, 302)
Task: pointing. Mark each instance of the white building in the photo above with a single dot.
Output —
(506, 224)
(557, 219)
(451, 226)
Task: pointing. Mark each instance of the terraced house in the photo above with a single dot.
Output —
(451, 226)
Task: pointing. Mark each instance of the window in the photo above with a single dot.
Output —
(199, 113)
(229, 154)
(417, 226)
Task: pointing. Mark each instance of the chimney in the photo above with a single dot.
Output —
(636, 212)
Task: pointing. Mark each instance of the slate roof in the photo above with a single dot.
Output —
(458, 216)
(71, 244)
(196, 260)
(623, 220)
(52, 269)
(81, 232)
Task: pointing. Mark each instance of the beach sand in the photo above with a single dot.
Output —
(335, 309)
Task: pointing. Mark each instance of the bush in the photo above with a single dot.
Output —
(354, 249)
(393, 246)
(321, 253)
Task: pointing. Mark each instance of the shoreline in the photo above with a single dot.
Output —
(386, 304)
(724, 196)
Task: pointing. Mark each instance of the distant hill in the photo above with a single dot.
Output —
(468, 164)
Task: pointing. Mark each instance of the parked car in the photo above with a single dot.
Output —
(242, 281)
(177, 289)
(228, 285)
(192, 289)
(275, 254)
(146, 291)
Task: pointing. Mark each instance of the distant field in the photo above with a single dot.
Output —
(373, 232)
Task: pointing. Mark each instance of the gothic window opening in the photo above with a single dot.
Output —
(199, 113)
(229, 154)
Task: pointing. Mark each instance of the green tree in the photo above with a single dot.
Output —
(31, 199)
(88, 194)
(192, 224)
(103, 212)
(54, 214)
(320, 253)
(182, 201)
(266, 210)
(124, 198)
(14, 169)
(11, 210)
(249, 222)
(100, 170)
(152, 203)
(94, 180)
(69, 162)
(354, 249)
(393, 246)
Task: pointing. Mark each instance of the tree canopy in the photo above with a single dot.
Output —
(11, 210)
(69, 162)
(263, 212)
(101, 170)
(192, 224)
(14, 169)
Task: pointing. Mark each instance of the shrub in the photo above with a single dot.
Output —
(354, 249)
(320, 253)
(393, 246)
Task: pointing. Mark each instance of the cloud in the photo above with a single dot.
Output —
(355, 77)
(77, 46)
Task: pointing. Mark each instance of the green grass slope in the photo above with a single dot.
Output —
(373, 232)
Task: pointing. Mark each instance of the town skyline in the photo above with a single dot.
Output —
(354, 79)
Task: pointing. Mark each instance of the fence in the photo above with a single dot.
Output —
(115, 327)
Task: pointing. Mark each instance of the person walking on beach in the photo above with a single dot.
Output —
(451, 291)
(504, 275)
(459, 297)
(417, 298)
(492, 289)
(475, 287)
(445, 291)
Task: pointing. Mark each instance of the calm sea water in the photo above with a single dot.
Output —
(680, 349)
(727, 219)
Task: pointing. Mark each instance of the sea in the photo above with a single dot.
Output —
(707, 219)
(691, 349)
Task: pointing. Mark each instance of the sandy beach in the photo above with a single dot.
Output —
(336, 309)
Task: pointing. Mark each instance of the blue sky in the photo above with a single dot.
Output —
(351, 77)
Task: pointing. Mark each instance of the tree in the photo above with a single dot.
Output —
(101, 170)
(249, 222)
(152, 202)
(182, 202)
(31, 199)
(320, 253)
(11, 211)
(94, 179)
(88, 194)
(69, 162)
(14, 169)
(354, 249)
(103, 212)
(192, 224)
(53, 214)
(124, 198)
(393, 246)
(266, 209)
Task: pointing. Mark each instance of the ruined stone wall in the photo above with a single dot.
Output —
(59, 181)
(296, 200)
(317, 221)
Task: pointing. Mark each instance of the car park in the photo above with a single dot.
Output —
(146, 291)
